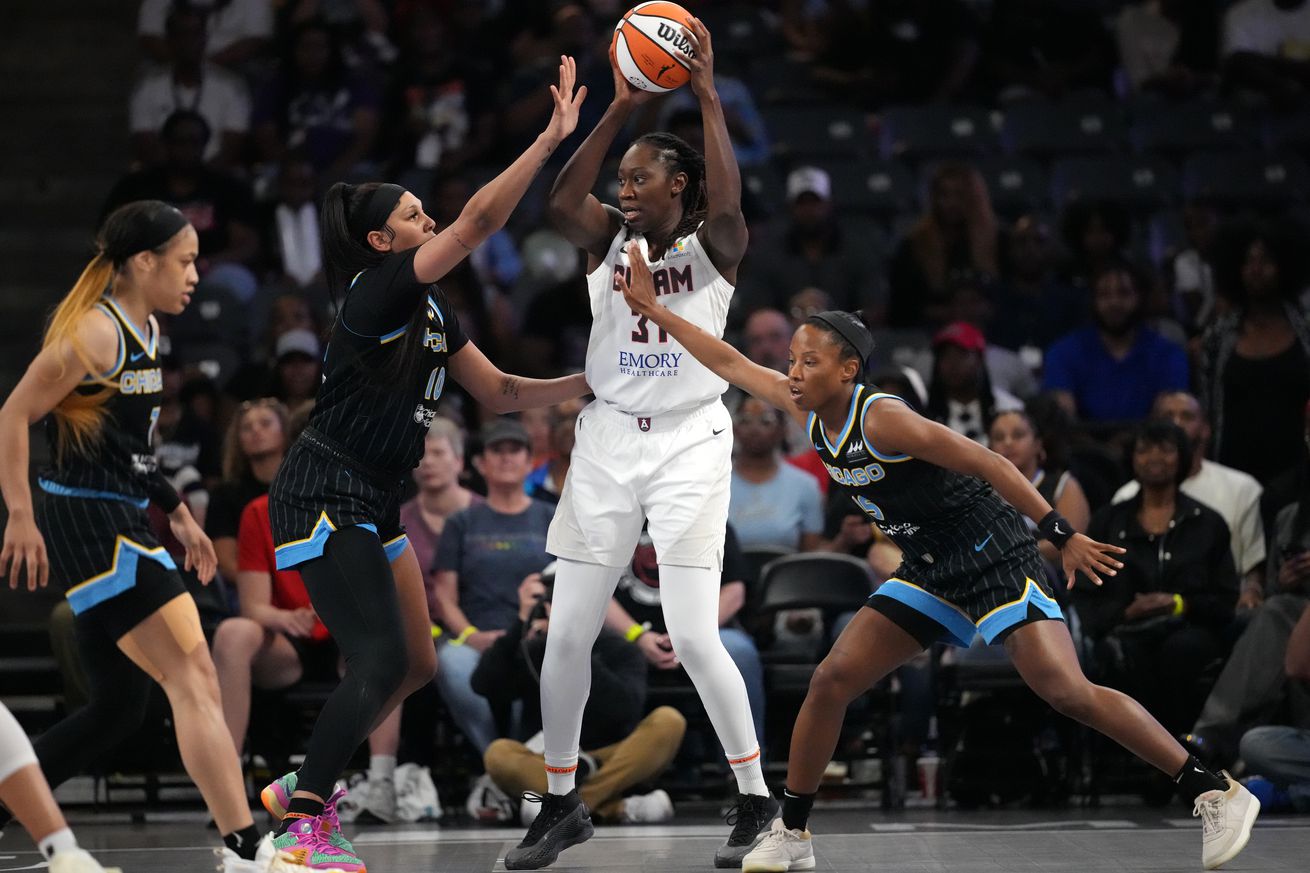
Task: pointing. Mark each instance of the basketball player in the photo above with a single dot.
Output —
(334, 505)
(24, 790)
(98, 372)
(970, 567)
(656, 444)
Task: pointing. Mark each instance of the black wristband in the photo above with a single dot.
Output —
(1056, 528)
(163, 494)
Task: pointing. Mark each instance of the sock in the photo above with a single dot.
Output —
(298, 808)
(796, 809)
(61, 840)
(561, 779)
(749, 773)
(1194, 780)
(382, 767)
(244, 842)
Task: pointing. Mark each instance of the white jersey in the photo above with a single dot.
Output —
(631, 363)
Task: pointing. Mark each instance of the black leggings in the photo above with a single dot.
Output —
(354, 593)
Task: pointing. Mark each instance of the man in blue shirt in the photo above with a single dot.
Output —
(1112, 369)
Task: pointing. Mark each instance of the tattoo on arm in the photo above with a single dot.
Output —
(461, 242)
(510, 387)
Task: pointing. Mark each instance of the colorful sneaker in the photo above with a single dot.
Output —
(1226, 821)
(332, 824)
(305, 846)
(276, 796)
(781, 850)
(562, 822)
(749, 817)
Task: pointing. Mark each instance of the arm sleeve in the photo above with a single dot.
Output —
(162, 493)
(450, 551)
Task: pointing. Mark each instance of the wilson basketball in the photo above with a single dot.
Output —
(651, 48)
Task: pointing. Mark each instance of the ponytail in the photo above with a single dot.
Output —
(144, 225)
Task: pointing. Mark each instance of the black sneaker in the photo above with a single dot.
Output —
(750, 817)
(562, 822)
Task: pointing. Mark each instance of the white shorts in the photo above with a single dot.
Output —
(672, 471)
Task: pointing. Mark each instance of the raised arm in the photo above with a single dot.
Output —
(724, 233)
(503, 392)
(894, 428)
(725, 361)
(573, 210)
(489, 209)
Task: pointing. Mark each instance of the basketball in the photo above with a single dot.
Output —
(650, 47)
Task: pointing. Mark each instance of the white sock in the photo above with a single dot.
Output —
(690, 599)
(61, 840)
(577, 611)
(382, 767)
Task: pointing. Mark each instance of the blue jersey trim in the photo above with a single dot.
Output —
(1007, 615)
(120, 576)
(395, 547)
(958, 625)
(90, 493)
(868, 401)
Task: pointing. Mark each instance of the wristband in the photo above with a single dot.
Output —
(1056, 528)
(1179, 606)
(467, 632)
(162, 493)
(634, 633)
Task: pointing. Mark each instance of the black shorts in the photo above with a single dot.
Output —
(105, 556)
(319, 489)
(994, 602)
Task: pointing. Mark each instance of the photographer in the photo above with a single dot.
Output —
(624, 749)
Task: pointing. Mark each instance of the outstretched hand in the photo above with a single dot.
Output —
(567, 103)
(701, 62)
(1082, 554)
(626, 93)
(640, 294)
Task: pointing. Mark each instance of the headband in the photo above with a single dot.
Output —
(149, 232)
(376, 210)
(850, 330)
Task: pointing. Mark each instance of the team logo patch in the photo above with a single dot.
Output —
(643, 424)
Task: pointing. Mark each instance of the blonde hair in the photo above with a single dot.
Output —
(235, 463)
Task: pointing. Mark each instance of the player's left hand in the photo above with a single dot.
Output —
(641, 293)
(565, 117)
(701, 62)
(1082, 554)
(199, 548)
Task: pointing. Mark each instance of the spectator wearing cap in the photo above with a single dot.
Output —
(487, 551)
(960, 394)
(1112, 370)
(814, 250)
(298, 367)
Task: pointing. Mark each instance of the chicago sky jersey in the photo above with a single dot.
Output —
(633, 364)
(382, 425)
(946, 524)
(119, 460)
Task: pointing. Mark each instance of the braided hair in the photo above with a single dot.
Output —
(678, 156)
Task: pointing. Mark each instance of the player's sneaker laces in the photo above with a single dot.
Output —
(782, 849)
(276, 797)
(749, 817)
(230, 862)
(305, 846)
(78, 861)
(562, 822)
(1226, 821)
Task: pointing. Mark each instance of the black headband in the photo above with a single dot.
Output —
(150, 230)
(376, 210)
(850, 330)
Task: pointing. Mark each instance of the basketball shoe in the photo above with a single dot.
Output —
(562, 822)
(1226, 821)
(782, 849)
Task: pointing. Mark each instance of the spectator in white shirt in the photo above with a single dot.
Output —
(239, 30)
(1266, 47)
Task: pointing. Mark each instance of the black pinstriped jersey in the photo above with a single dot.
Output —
(383, 425)
(945, 523)
(119, 460)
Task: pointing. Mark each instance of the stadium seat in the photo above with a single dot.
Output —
(802, 132)
(872, 187)
(1193, 126)
(1016, 185)
(925, 132)
(1249, 179)
(1139, 182)
(1043, 129)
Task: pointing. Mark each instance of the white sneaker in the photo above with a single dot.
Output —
(647, 808)
(231, 862)
(1226, 821)
(380, 800)
(782, 849)
(78, 861)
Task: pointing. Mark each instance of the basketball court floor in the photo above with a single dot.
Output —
(1122, 840)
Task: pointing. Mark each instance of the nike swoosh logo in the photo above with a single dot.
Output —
(719, 431)
(136, 356)
(978, 547)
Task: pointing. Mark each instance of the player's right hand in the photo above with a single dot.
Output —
(24, 547)
(641, 293)
(626, 93)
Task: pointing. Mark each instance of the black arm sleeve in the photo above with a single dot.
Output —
(162, 493)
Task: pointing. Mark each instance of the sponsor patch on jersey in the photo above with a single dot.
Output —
(649, 363)
(855, 449)
(423, 415)
(681, 247)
